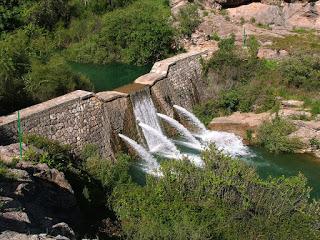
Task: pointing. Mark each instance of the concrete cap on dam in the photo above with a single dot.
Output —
(160, 69)
(108, 96)
(26, 112)
(130, 88)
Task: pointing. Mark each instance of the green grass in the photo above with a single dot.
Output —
(4, 171)
(308, 42)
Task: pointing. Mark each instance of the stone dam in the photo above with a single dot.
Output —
(82, 117)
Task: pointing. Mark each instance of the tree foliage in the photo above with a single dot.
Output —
(189, 19)
(303, 71)
(273, 135)
(138, 34)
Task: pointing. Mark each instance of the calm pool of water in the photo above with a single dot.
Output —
(110, 76)
(268, 164)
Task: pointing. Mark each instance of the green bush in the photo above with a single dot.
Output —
(302, 71)
(188, 19)
(315, 143)
(14, 64)
(107, 172)
(51, 152)
(215, 36)
(273, 135)
(224, 200)
(47, 13)
(3, 170)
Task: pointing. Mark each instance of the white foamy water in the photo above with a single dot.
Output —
(191, 118)
(145, 112)
(158, 143)
(150, 164)
(164, 146)
(181, 129)
(228, 143)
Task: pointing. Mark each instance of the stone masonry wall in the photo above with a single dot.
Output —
(73, 119)
(182, 86)
(81, 117)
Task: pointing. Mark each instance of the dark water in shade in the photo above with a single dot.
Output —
(110, 76)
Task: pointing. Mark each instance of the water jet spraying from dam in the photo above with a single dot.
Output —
(191, 118)
(191, 140)
(151, 165)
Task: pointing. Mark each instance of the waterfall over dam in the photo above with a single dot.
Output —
(161, 145)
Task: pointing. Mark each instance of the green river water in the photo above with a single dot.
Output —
(268, 164)
(110, 76)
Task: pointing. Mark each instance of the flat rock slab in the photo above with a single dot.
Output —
(110, 95)
(239, 123)
(7, 153)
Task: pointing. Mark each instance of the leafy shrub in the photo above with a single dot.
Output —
(107, 172)
(188, 19)
(273, 135)
(302, 71)
(315, 143)
(101, 6)
(51, 152)
(249, 135)
(242, 21)
(215, 36)
(3, 169)
(207, 111)
(224, 200)
(14, 64)
(46, 13)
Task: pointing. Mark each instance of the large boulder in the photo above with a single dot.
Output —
(239, 123)
(259, 13)
(9, 152)
(289, 15)
(36, 199)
